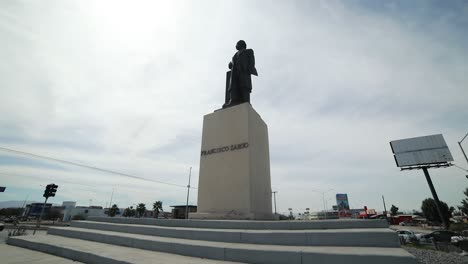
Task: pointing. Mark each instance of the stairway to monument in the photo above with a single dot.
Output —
(120, 240)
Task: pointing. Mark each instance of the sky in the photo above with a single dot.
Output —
(124, 85)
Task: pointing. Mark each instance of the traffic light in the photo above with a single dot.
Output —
(50, 190)
(53, 189)
(47, 191)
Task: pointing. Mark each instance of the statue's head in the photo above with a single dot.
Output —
(241, 45)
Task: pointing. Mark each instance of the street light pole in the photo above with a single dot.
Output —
(188, 193)
(274, 199)
(323, 201)
(110, 203)
(459, 144)
(385, 207)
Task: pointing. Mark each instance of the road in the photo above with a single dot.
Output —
(416, 229)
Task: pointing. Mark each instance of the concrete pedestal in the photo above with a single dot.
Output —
(234, 180)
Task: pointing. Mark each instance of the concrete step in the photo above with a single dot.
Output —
(242, 252)
(359, 237)
(93, 252)
(11, 254)
(244, 224)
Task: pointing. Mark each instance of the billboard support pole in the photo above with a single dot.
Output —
(459, 144)
(434, 194)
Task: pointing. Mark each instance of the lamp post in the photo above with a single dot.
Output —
(274, 199)
(323, 200)
(110, 203)
(188, 194)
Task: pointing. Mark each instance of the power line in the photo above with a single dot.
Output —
(88, 167)
(460, 167)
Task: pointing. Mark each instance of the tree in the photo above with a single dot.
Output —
(430, 211)
(394, 210)
(156, 207)
(129, 212)
(141, 208)
(464, 206)
(451, 211)
(283, 217)
(113, 210)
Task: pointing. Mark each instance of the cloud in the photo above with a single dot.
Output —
(125, 86)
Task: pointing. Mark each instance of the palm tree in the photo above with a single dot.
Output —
(113, 210)
(156, 206)
(141, 208)
(129, 211)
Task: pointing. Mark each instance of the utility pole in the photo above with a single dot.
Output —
(274, 199)
(323, 201)
(188, 193)
(459, 144)
(25, 200)
(324, 207)
(110, 203)
(385, 207)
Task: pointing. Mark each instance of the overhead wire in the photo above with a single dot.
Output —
(37, 156)
(461, 168)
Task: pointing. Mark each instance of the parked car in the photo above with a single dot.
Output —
(406, 223)
(440, 236)
(462, 236)
(2, 226)
(10, 220)
(407, 235)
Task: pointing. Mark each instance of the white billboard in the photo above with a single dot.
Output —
(421, 151)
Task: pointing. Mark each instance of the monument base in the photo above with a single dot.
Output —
(234, 181)
(231, 216)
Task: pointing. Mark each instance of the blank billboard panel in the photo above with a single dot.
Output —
(421, 151)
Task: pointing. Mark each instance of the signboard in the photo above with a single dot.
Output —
(421, 151)
(342, 201)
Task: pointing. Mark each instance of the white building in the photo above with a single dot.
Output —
(71, 210)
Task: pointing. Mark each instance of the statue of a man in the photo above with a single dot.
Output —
(238, 79)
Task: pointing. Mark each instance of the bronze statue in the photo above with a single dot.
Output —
(238, 79)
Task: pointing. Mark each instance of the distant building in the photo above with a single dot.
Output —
(321, 215)
(34, 209)
(178, 211)
(71, 210)
(86, 211)
(68, 207)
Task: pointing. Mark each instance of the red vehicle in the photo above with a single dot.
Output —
(367, 213)
(397, 219)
